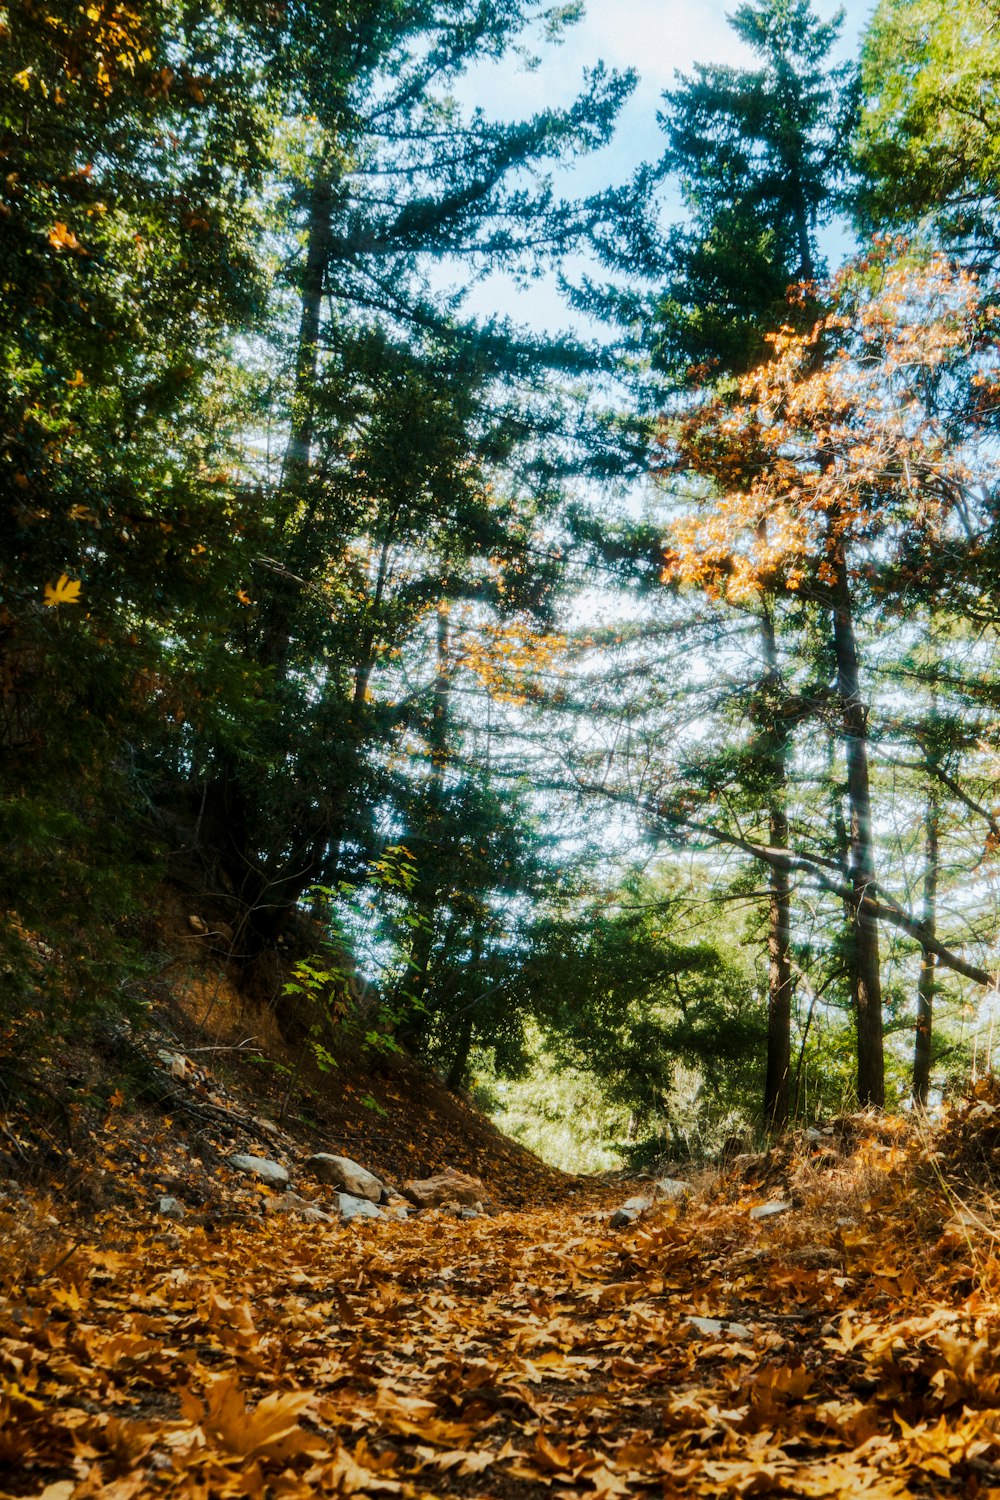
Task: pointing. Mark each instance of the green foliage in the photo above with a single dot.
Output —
(760, 156)
(929, 140)
(667, 1014)
(560, 1112)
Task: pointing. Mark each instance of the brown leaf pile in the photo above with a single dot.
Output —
(856, 1350)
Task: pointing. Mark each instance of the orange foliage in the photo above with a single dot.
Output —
(843, 437)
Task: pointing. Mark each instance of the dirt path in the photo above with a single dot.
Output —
(525, 1354)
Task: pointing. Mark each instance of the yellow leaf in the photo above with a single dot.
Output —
(77, 380)
(271, 1430)
(61, 237)
(65, 591)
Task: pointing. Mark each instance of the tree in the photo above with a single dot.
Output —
(760, 156)
(134, 147)
(634, 987)
(838, 448)
(397, 420)
(928, 146)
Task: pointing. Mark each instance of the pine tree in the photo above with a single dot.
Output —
(759, 155)
(133, 148)
(842, 446)
(401, 418)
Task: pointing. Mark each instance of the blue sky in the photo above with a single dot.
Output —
(658, 38)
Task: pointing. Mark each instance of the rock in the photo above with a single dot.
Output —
(671, 1190)
(622, 1218)
(300, 1208)
(171, 1208)
(469, 1213)
(768, 1210)
(637, 1205)
(341, 1172)
(629, 1212)
(198, 925)
(713, 1328)
(270, 1172)
(350, 1208)
(176, 1064)
(448, 1186)
(750, 1164)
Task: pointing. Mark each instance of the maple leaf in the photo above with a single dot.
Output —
(61, 237)
(64, 591)
(271, 1430)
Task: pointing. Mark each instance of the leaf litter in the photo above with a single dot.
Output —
(848, 1345)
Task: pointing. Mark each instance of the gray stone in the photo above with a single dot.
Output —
(713, 1328)
(672, 1190)
(270, 1172)
(341, 1172)
(622, 1218)
(171, 1208)
(637, 1205)
(768, 1210)
(350, 1208)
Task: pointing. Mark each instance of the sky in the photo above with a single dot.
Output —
(656, 38)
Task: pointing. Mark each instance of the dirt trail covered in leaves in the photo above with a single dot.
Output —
(527, 1353)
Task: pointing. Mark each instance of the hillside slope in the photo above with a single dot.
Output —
(125, 1112)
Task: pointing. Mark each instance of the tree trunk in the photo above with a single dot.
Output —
(928, 961)
(779, 979)
(426, 894)
(268, 895)
(460, 1060)
(865, 975)
(275, 638)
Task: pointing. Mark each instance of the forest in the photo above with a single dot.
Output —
(620, 702)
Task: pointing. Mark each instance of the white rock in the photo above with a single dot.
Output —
(341, 1172)
(350, 1208)
(171, 1208)
(270, 1172)
(176, 1063)
(713, 1328)
(768, 1210)
(637, 1205)
(671, 1189)
(622, 1218)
